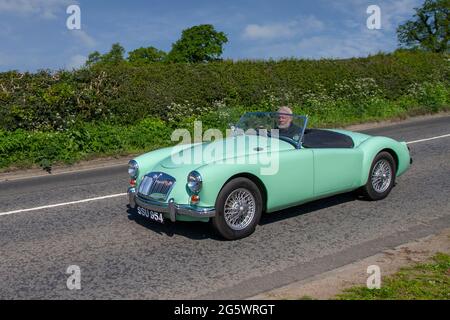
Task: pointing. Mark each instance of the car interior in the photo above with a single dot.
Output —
(318, 138)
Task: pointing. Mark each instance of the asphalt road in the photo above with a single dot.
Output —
(123, 258)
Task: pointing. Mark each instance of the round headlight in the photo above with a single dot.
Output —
(194, 181)
(133, 169)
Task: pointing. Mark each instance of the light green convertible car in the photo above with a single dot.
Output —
(271, 161)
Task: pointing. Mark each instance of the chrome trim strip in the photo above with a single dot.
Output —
(172, 208)
(131, 193)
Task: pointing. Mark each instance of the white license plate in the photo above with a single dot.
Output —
(150, 214)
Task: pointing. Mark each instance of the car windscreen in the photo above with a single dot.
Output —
(288, 127)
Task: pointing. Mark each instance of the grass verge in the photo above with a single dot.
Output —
(21, 149)
(426, 281)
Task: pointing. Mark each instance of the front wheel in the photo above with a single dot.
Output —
(238, 209)
(381, 177)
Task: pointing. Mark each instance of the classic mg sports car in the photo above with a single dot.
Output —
(267, 164)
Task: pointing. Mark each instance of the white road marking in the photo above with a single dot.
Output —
(123, 194)
(63, 204)
(428, 139)
(40, 175)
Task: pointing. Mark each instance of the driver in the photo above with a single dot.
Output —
(285, 125)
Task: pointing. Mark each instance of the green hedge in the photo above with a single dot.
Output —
(68, 116)
(124, 94)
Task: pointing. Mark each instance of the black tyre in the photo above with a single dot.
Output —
(238, 209)
(381, 177)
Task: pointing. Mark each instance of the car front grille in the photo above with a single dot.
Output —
(156, 186)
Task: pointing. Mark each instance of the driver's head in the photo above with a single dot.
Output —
(284, 118)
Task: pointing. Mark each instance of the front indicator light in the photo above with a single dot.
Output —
(195, 199)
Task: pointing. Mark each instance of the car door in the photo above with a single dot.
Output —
(292, 183)
(336, 170)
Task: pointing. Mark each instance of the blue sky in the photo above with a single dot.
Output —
(33, 33)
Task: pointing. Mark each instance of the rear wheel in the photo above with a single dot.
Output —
(238, 209)
(381, 177)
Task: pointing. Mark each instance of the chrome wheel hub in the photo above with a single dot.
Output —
(240, 208)
(381, 176)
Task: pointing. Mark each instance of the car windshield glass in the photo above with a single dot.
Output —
(288, 127)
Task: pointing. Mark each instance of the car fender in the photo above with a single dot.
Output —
(374, 145)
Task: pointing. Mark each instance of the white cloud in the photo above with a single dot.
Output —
(344, 46)
(359, 43)
(83, 37)
(76, 61)
(255, 31)
(46, 9)
(301, 25)
(393, 12)
(343, 38)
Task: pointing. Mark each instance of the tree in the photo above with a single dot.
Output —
(93, 58)
(429, 29)
(146, 55)
(114, 56)
(200, 43)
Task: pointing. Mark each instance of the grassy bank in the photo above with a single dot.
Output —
(422, 282)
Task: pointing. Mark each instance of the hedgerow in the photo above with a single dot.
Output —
(63, 116)
(124, 93)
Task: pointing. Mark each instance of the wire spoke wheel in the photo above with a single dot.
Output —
(239, 209)
(381, 176)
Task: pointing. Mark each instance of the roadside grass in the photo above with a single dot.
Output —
(22, 149)
(426, 281)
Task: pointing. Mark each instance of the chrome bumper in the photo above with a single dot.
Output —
(170, 207)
